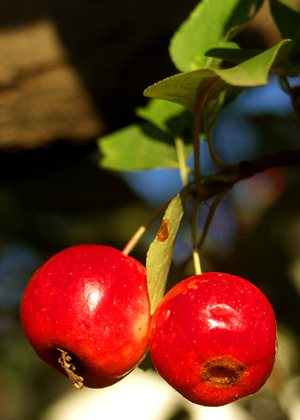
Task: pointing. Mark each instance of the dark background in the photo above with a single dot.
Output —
(55, 196)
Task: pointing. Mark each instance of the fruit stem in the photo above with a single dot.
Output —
(183, 168)
(196, 135)
(196, 256)
(210, 216)
(197, 262)
(213, 154)
(142, 229)
(284, 84)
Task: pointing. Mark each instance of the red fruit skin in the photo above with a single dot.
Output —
(213, 338)
(92, 301)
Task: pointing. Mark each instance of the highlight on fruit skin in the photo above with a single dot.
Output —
(86, 313)
(213, 338)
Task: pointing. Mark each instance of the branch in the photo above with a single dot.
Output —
(285, 158)
(225, 179)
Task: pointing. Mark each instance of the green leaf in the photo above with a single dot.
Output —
(158, 112)
(172, 118)
(159, 255)
(255, 71)
(232, 53)
(286, 18)
(281, 64)
(183, 88)
(186, 88)
(211, 22)
(138, 146)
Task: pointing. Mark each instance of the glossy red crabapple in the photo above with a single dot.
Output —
(86, 313)
(213, 338)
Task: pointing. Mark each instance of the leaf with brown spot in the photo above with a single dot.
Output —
(160, 252)
(163, 233)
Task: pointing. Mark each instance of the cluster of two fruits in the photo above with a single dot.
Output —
(86, 312)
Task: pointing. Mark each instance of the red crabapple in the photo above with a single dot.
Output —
(213, 338)
(86, 313)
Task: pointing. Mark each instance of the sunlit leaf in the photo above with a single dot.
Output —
(185, 88)
(159, 256)
(255, 71)
(138, 146)
(211, 22)
(237, 55)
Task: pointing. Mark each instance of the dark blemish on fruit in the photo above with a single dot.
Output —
(223, 372)
(163, 233)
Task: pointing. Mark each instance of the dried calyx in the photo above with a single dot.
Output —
(65, 360)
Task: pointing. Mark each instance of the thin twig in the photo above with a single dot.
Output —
(141, 230)
(209, 219)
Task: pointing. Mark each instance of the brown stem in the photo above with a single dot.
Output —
(197, 122)
(141, 230)
(285, 158)
(210, 216)
(224, 180)
(218, 185)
